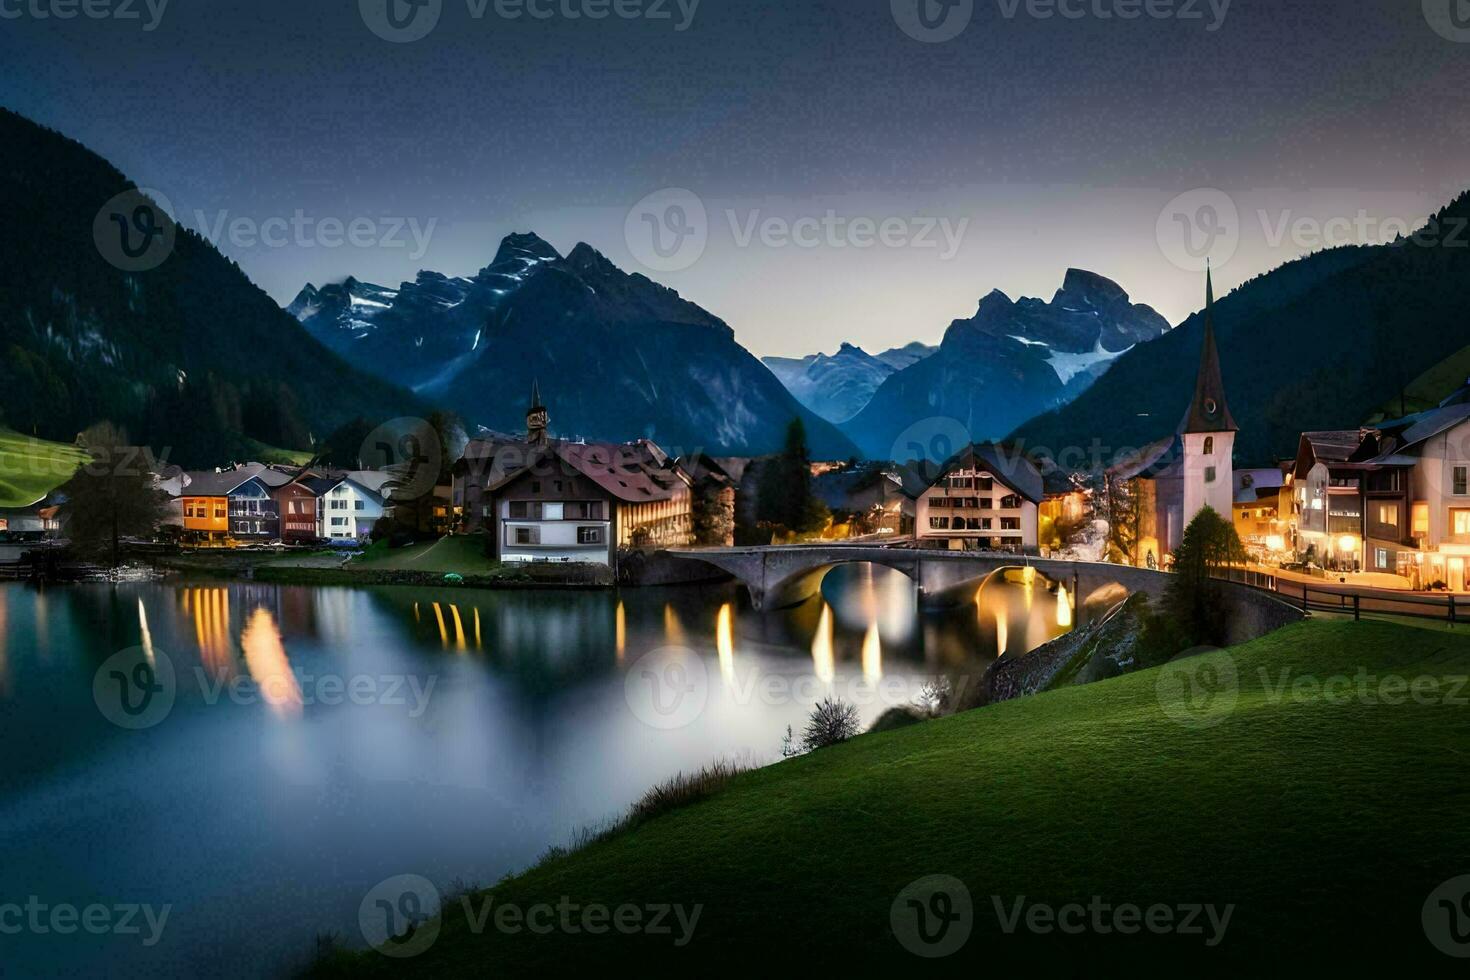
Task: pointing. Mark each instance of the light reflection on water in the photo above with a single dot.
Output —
(526, 732)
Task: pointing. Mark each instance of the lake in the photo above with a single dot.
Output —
(253, 760)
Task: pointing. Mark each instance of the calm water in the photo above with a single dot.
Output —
(312, 742)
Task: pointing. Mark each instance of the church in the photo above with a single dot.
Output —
(1167, 483)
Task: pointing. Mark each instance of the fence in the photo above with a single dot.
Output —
(1312, 598)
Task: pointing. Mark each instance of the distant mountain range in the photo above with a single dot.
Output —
(183, 350)
(1325, 342)
(839, 386)
(1009, 362)
(617, 356)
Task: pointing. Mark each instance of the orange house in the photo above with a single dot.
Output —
(207, 518)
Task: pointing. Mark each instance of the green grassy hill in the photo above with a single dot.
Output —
(31, 468)
(463, 554)
(1429, 389)
(1325, 822)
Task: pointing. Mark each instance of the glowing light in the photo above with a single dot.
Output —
(459, 641)
(872, 655)
(416, 617)
(212, 631)
(725, 643)
(622, 631)
(822, 660)
(1028, 577)
(1002, 633)
(443, 633)
(478, 644)
(673, 629)
(147, 636)
(1064, 607)
(1275, 542)
(270, 668)
(1348, 543)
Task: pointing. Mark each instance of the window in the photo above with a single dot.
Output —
(1460, 522)
(219, 511)
(589, 535)
(1462, 477)
(526, 535)
(985, 484)
(535, 486)
(1388, 514)
(1209, 445)
(1382, 557)
(339, 522)
(338, 504)
(987, 503)
(939, 523)
(559, 486)
(525, 510)
(1010, 524)
(939, 502)
(1010, 502)
(1421, 519)
(985, 523)
(488, 512)
(359, 505)
(1210, 474)
(585, 511)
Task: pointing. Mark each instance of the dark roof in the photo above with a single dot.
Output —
(208, 483)
(1209, 411)
(636, 472)
(1334, 445)
(1011, 468)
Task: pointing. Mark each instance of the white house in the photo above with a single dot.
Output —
(983, 499)
(346, 509)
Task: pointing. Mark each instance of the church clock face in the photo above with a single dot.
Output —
(1212, 407)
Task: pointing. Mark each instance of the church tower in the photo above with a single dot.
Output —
(537, 418)
(1208, 431)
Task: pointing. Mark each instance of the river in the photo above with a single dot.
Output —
(256, 758)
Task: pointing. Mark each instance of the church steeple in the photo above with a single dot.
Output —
(1209, 411)
(537, 418)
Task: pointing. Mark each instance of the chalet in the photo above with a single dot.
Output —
(1170, 481)
(297, 504)
(226, 506)
(985, 498)
(348, 505)
(548, 500)
(1262, 511)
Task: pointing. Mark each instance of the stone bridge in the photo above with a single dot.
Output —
(779, 577)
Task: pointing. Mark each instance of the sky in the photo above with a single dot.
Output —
(812, 171)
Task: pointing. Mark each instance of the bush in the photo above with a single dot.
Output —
(832, 722)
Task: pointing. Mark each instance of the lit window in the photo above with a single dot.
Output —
(1388, 514)
(1460, 521)
(1421, 519)
(1209, 445)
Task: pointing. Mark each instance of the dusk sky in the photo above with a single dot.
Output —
(1036, 143)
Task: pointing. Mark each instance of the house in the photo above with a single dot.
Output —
(1170, 481)
(1392, 498)
(347, 505)
(1262, 510)
(297, 504)
(549, 500)
(984, 498)
(225, 507)
(29, 523)
(880, 498)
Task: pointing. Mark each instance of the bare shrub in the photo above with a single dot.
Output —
(832, 722)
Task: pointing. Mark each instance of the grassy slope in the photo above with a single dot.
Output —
(1326, 824)
(1430, 388)
(462, 554)
(31, 468)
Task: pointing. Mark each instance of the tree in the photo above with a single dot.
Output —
(784, 493)
(831, 723)
(1125, 513)
(343, 448)
(1193, 599)
(114, 496)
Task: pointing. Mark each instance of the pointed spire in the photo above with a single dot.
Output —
(536, 394)
(1209, 411)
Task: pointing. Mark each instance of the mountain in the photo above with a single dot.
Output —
(1324, 342)
(617, 356)
(1012, 360)
(176, 345)
(899, 358)
(839, 386)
